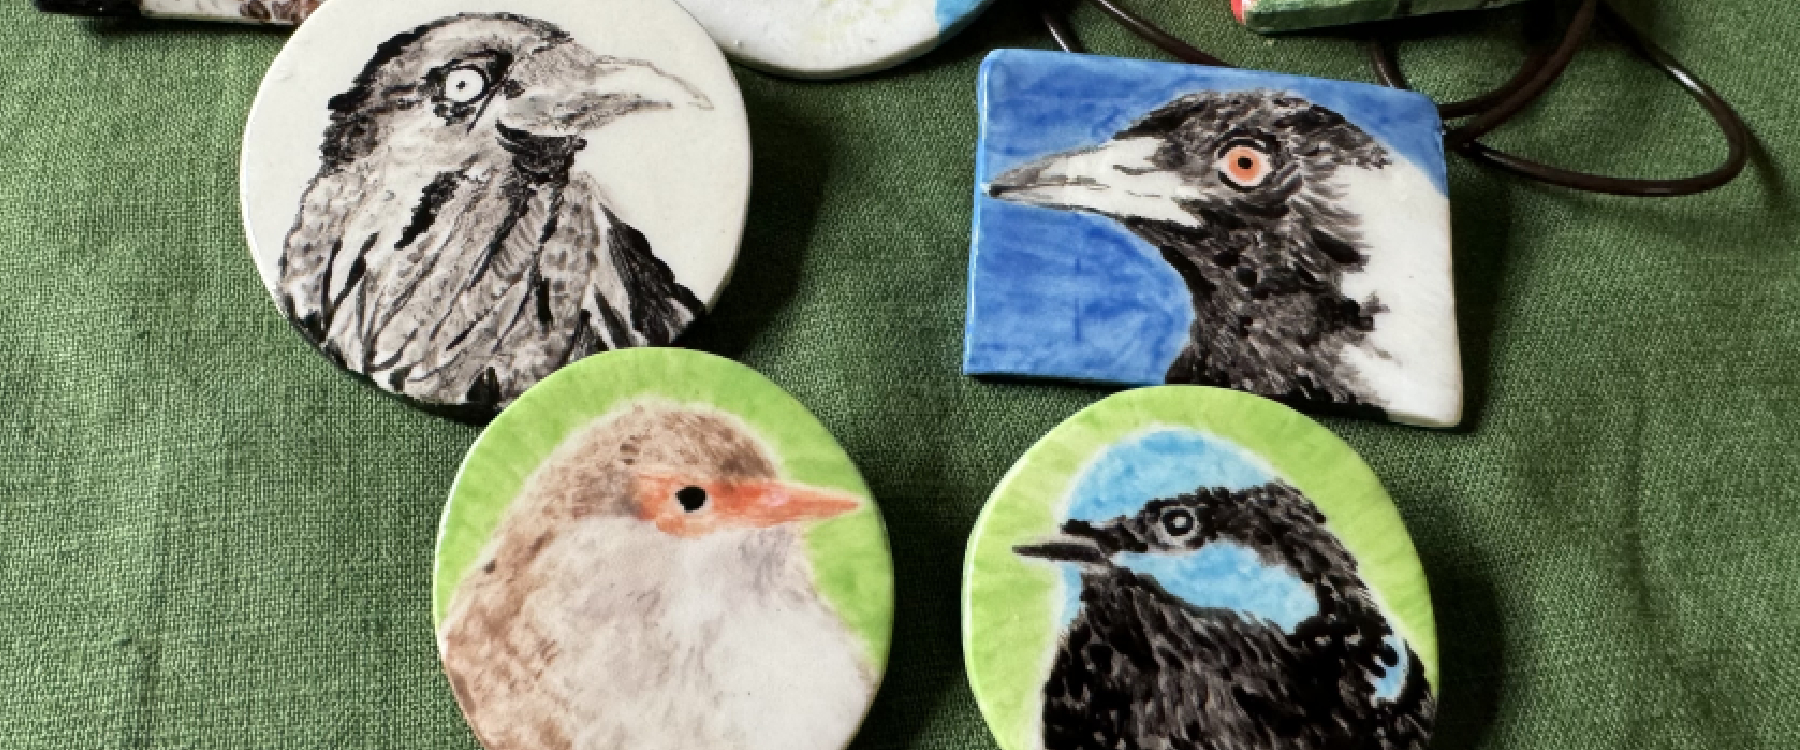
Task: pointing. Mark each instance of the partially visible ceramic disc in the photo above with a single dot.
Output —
(453, 198)
(830, 38)
(660, 549)
(1183, 566)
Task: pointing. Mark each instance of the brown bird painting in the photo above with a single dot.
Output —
(649, 589)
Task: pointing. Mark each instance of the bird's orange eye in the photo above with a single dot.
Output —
(1244, 166)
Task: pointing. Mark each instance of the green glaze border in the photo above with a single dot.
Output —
(1009, 610)
(852, 564)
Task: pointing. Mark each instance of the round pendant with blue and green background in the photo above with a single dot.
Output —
(1189, 567)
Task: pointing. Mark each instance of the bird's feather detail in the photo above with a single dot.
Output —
(1263, 203)
(1140, 667)
(456, 257)
(583, 625)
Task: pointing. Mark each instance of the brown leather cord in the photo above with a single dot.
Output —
(1541, 19)
(1474, 105)
(1553, 66)
(1153, 34)
(1737, 135)
(1494, 108)
(1054, 14)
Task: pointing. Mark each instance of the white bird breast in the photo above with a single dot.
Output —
(714, 641)
(1410, 361)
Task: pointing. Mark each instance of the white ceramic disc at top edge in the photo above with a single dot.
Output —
(695, 224)
(826, 38)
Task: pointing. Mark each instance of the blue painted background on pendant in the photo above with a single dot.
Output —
(952, 15)
(1072, 295)
(1164, 463)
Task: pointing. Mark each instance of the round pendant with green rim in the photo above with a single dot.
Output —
(1195, 567)
(659, 548)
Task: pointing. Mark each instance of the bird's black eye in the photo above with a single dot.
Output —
(464, 84)
(1178, 522)
(691, 498)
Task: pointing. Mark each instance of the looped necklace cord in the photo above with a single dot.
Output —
(1493, 109)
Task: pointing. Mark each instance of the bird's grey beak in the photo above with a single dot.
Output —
(1118, 178)
(566, 89)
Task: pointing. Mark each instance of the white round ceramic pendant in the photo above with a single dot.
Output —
(454, 198)
(659, 549)
(830, 38)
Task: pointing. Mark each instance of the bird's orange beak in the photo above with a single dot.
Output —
(685, 507)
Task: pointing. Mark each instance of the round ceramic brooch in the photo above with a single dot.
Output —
(830, 38)
(454, 198)
(1187, 567)
(659, 549)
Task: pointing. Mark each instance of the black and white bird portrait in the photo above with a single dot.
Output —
(1317, 259)
(1143, 664)
(448, 248)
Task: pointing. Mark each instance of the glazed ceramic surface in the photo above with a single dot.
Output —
(453, 198)
(830, 38)
(1140, 222)
(659, 549)
(801, 38)
(1287, 15)
(1188, 567)
(279, 12)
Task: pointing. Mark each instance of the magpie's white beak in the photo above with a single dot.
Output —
(1118, 179)
(566, 89)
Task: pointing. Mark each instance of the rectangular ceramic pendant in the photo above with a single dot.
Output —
(1140, 222)
(1288, 15)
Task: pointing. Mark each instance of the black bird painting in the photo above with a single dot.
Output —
(1317, 258)
(448, 249)
(1139, 666)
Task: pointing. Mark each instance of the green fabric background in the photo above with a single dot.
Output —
(213, 540)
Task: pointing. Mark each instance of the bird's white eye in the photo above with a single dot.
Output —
(1178, 522)
(465, 84)
(1244, 165)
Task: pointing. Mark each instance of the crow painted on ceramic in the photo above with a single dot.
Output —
(1141, 665)
(650, 589)
(446, 250)
(1286, 222)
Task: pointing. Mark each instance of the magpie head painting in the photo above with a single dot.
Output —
(1286, 223)
(448, 248)
(1220, 618)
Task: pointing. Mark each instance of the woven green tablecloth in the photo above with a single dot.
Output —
(214, 540)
